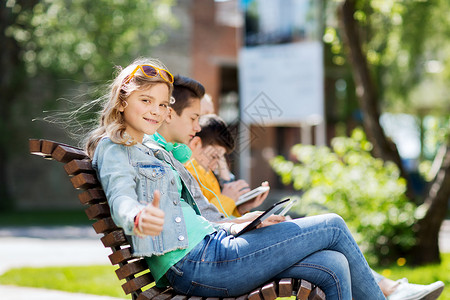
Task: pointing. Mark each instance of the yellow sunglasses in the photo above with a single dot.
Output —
(151, 71)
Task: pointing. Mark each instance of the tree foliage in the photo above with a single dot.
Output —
(391, 58)
(55, 48)
(83, 39)
(405, 43)
(367, 192)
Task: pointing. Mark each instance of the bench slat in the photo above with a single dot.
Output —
(92, 196)
(104, 225)
(132, 268)
(180, 297)
(285, 287)
(163, 296)
(35, 146)
(255, 295)
(151, 293)
(98, 211)
(317, 294)
(77, 166)
(120, 256)
(64, 153)
(304, 290)
(137, 283)
(114, 239)
(269, 291)
(84, 181)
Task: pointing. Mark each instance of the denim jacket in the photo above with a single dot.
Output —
(129, 175)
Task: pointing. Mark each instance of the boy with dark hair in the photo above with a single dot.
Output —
(208, 147)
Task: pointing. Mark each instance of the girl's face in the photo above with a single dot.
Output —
(146, 110)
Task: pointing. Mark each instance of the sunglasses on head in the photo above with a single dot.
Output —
(151, 71)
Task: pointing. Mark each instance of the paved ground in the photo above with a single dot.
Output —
(69, 245)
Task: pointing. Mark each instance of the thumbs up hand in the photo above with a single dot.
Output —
(151, 219)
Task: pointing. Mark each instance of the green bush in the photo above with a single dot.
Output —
(367, 192)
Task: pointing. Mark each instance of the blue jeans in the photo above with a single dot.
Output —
(319, 249)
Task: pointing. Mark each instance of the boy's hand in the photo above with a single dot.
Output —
(152, 217)
(235, 189)
(257, 201)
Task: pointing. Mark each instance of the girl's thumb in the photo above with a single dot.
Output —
(156, 196)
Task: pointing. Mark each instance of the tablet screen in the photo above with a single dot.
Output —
(270, 211)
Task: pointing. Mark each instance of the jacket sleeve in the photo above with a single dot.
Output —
(118, 179)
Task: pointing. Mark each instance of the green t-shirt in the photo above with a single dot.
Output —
(197, 228)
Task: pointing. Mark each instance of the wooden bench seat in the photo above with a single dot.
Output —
(139, 283)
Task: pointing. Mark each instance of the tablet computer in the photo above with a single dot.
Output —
(252, 194)
(267, 213)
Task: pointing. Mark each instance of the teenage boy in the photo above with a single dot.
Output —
(208, 147)
(175, 133)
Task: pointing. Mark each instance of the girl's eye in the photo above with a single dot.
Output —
(164, 105)
(145, 100)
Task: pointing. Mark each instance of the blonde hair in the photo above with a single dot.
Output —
(111, 123)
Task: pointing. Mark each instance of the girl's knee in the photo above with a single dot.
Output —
(338, 263)
(335, 219)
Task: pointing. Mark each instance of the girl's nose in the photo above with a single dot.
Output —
(156, 109)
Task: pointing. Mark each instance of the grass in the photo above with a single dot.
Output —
(97, 280)
(101, 280)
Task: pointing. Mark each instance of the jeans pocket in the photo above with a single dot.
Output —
(203, 290)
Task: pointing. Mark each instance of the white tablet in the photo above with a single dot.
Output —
(252, 194)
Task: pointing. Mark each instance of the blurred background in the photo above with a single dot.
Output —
(343, 104)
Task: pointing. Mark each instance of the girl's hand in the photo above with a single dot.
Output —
(235, 189)
(152, 217)
(273, 219)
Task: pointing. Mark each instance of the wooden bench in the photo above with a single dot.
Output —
(138, 280)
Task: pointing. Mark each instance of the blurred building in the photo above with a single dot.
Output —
(217, 35)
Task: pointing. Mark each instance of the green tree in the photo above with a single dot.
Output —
(367, 192)
(48, 46)
(396, 56)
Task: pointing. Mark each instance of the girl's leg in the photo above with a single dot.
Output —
(227, 266)
(326, 268)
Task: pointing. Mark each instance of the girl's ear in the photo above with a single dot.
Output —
(123, 106)
(195, 143)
